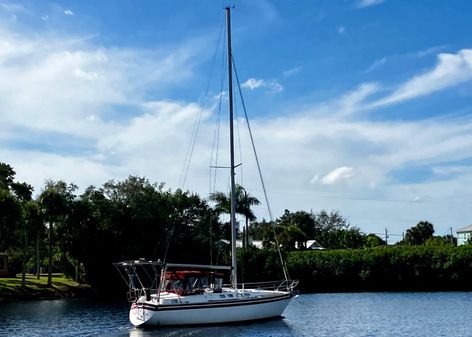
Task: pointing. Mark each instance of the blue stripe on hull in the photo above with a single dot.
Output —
(208, 305)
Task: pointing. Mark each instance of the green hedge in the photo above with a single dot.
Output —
(397, 268)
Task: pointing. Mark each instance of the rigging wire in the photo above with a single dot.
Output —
(284, 267)
(215, 145)
(216, 137)
(239, 144)
(190, 148)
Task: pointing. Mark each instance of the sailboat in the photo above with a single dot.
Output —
(170, 294)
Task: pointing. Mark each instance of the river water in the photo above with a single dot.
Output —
(350, 314)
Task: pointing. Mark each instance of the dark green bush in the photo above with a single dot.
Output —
(397, 268)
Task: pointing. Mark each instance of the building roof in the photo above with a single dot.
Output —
(465, 229)
(256, 243)
(313, 244)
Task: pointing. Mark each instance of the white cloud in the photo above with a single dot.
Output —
(428, 51)
(89, 80)
(292, 71)
(368, 3)
(450, 70)
(377, 64)
(13, 8)
(85, 75)
(72, 88)
(337, 175)
(448, 170)
(68, 12)
(45, 18)
(315, 179)
(252, 83)
(69, 91)
(353, 101)
(271, 85)
(40, 166)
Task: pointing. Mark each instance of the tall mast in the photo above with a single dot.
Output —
(234, 274)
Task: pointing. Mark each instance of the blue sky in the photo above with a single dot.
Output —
(360, 106)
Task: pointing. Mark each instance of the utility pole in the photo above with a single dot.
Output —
(386, 236)
(452, 237)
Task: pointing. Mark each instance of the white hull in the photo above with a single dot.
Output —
(209, 309)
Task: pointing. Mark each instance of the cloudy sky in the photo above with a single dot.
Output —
(360, 106)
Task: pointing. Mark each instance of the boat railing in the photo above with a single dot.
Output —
(281, 285)
(134, 294)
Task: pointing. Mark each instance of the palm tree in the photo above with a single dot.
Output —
(23, 193)
(244, 201)
(54, 200)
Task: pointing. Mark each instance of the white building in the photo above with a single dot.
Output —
(255, 243)
(311, 245)
(464, 234)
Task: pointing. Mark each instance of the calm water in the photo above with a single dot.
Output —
(358, 314)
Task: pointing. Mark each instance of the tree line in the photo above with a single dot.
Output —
(82, 234)
(430, 267)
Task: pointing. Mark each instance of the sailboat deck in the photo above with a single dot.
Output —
(227, 295)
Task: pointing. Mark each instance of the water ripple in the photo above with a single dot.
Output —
(315, 315)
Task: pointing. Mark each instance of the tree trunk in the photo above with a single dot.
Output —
(23, 260)
(76, 279)
(50, 255)
(247, 232)
(23, 270)
(38, 273)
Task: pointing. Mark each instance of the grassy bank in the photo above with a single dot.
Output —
(37, 289)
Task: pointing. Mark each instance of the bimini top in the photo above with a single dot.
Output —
(182, 274)
(159, 263)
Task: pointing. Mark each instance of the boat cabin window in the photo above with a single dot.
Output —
(176, 286)
(218, 284)
(192, 282)
(193, 285)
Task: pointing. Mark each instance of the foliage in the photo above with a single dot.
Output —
(18, 219)
(7, 176)
(244, 201)
(373, 240)
(289, 235)
(10, 217)
(447, 240)
(419, 234)
(330, 230)
(384, 268)
(10, 208)
(303, 220)
(55, 200)
(326, 222)
(135, 218)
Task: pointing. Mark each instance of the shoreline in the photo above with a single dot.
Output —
(62, 287)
